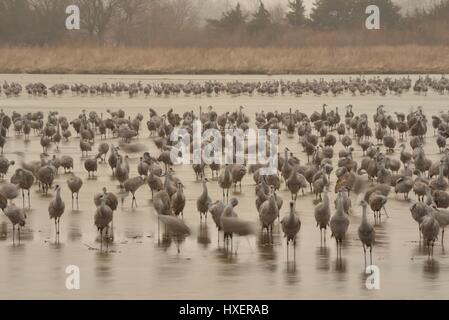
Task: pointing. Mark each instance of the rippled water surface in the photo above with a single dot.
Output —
(137, 266)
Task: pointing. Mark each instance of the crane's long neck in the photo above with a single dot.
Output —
(429, 197)
(325, 199)
(272, 203)
(340, 206)
(325, 180)
(58, 196)
(292, 212)
(227, 171)
(103, 204)
(364, 218)
(205, 192)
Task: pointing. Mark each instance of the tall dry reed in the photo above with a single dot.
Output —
(317, 59)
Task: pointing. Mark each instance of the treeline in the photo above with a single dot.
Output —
(178, 23)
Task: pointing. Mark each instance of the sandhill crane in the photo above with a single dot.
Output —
(122, 170)
(228, 212)
(17, 217)
(238, 171)
(420, 209)
(178, 200)
(4, 166)
(24, 179)
(323, 215)
(339, 224)
(175, 227)
(440, 182)
(103, 149)
(9, 190)
(67, 163)
(216, 209)
(143, 168)
(91, 166)
(75, 183)
(203, 201)
(46, 175)
(404, 185)
(268, 212)
(366, 233)
(290, 226)
(430, 229)
(132, 185)
(296, 182)
(154, 182)
(225, 181)
(442, 216)
(102, 219)
(56, 209)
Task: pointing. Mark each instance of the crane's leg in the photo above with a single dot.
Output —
(364, 252)
(294, 249)
(77, 202)
(107, 238)
(72, 201)
(158, 230)
(29, 201)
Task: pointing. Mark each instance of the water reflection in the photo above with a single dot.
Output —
(3, 231)
(74, 227)
(203, 235)
(340, 265)
(431, 269)
(103, 263)
(225, 255)
(291, 273)
(322, 258)
(267, 254)
(166, 240)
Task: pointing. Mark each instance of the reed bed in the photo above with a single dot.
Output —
(267, 60)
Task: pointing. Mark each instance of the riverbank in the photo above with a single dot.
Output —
(245, 60)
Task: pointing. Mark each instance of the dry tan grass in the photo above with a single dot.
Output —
(372, 59)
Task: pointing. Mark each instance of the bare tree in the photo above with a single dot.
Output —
(183, 12)
(130, 18)
(96, 15)
(49, 17)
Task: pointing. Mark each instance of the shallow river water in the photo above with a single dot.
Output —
(139, 267)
